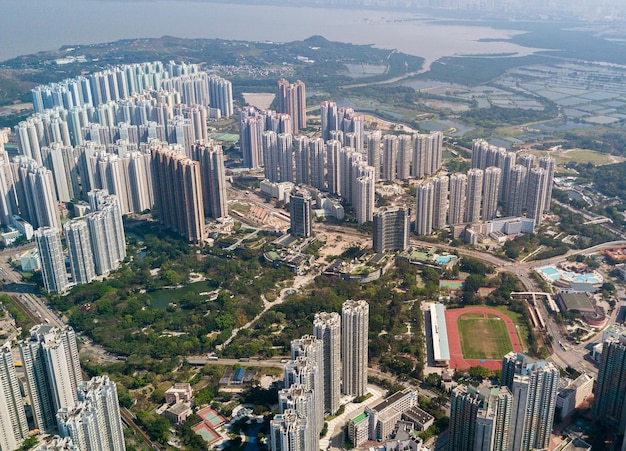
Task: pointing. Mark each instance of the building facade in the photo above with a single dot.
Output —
(354, 347)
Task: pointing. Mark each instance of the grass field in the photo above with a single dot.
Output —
(483, 338)
(579, 156)
(518, 320)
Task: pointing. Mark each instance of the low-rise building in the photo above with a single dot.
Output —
(421, 419)
(574, 394)
(30, 260)
(358, 429)
(179, 393)
(178, 412)
(384, 416)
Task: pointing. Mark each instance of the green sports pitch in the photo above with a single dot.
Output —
(483, 338)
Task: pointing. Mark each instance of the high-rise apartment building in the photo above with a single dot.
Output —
(548, 164)
(354, 351)
(301, 400)
(609, 405)
(221, 95)
(404, 157)
(427, 154)
(271, 165)
(391, 229)
(329, 115)
(364, 197)
(312, 349)
(333, 155)
(96, 418)
(13, 422)
(536, 196)
(374, 156)
(480, 418)
(390, 155)
(474, 195)
(424, 200)
(285, 157)
(327, 328)
(491, 189)
(440, 201)
(292, 101)
(53, 374)
(59, 444)
(301, 211)
(457, 205)
(178, 193)
(317, 154)
(211, 158)
(515, 199)
(288, 431)
(52, 259)
(534, 387)
(80, 251)
(302, 159)
(251, 127)
(106, 232)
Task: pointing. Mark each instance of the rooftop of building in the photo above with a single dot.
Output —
(179, 408)
(360, 417)
(576, 301)
(419, 415)
(387, 402)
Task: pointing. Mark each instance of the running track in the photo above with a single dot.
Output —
(457, 361)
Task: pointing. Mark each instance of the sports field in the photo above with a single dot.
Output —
(483, 338)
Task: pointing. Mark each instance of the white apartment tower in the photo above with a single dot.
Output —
(52, 259)
(424, 200)
(53, 374)
(13, 422)
(302, 159)
(317, 154)
(354, 351)
(534, 387)
(440, 201)
(364, 198)
(536, 197)
(301, 400)
(313, 349)
(288, 432)
(390, 155)
(211, 158)
(327, 328)
(458, 189)
(97, 395)
(474, 194)
(491, 189)
(404, 156)
(79, 250)
(548, 164)
(107, 231)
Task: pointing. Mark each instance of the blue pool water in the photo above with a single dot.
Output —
(443, 259)
(549, 271)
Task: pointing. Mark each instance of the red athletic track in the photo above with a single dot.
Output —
(457, 361)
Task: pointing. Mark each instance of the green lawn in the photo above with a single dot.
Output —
(518, 320)
(483, 338)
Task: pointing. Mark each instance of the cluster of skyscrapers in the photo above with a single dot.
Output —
(519, 414)
(137, 132)
(85, 413)
(497, 177)
(343, 161)
(516, 416)
(325, 365)
(95, 243)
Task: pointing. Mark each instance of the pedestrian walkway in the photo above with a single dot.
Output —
(335, 426)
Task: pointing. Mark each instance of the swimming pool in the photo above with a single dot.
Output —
(549, 271)
(443, 259)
